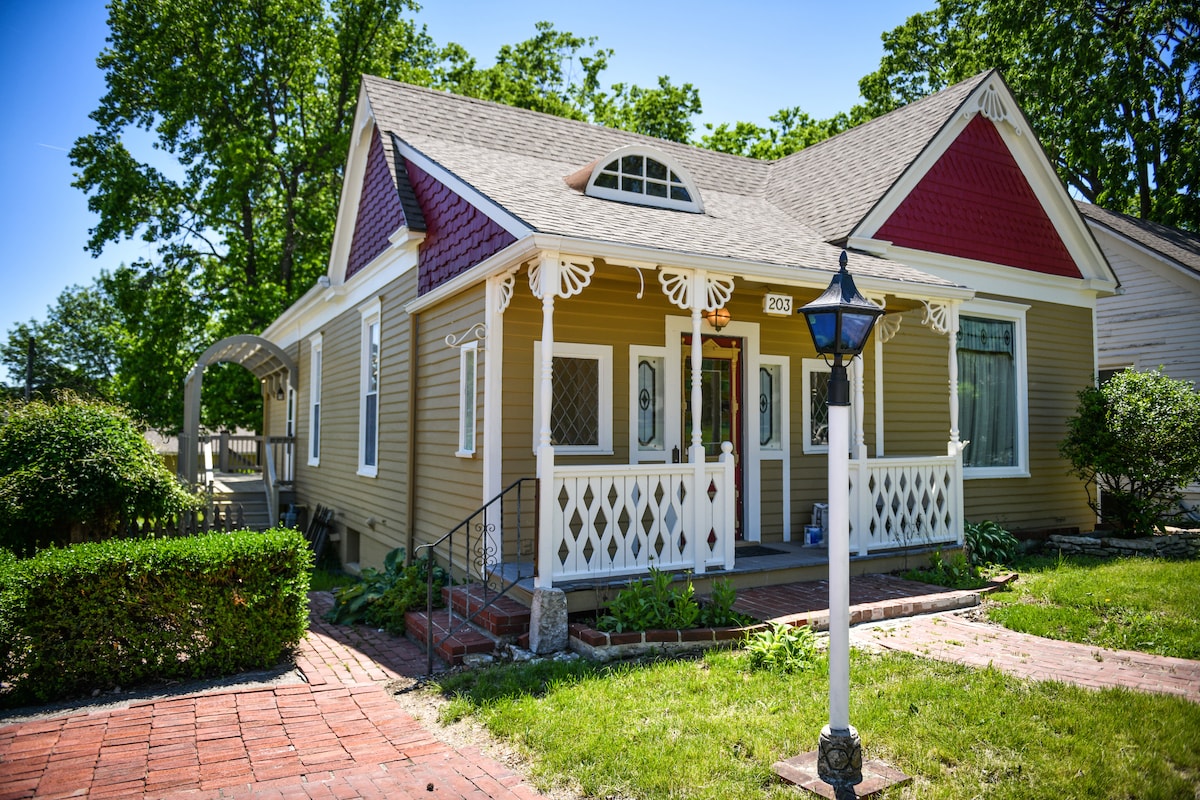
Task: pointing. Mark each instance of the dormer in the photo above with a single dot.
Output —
(642, 176)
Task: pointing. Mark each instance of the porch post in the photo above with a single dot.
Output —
(955, 446)
(547, 282)
(696, 450)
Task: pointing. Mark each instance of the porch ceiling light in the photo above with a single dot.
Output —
(718, 318)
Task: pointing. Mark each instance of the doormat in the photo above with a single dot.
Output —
(752, 550)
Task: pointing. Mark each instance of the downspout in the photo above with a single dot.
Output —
(410, 488)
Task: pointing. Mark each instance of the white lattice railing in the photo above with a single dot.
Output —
(622, 520)
(905, 502)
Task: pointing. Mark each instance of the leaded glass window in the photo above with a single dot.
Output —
(575, 414)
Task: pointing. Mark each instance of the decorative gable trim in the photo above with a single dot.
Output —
(993, 97)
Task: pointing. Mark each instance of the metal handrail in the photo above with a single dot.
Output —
(483, 552)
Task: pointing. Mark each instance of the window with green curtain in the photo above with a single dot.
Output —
(987, 397)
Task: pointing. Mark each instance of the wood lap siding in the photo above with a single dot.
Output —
(335, 483)
(447, 488)
(1060, 364)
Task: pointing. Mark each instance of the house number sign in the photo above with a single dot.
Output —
(778, 304)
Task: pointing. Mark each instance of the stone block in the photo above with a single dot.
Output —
(548, 621)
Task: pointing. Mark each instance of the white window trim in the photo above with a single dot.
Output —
(696, 205)
(468, 399)
(602, 353)
(315, 371)
(639, 454)
(371, 314)
(811, 365)
(785, 403)
(1015, 313)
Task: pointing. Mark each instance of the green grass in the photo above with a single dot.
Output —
(323, 580)
(1150, 605)
(712, 728)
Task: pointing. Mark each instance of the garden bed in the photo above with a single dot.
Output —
(597, 645)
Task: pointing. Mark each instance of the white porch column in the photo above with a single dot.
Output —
(546, 288)
(952, 333)
(696, 450)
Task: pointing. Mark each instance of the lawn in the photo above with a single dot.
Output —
(1150, 605)
(712, 728)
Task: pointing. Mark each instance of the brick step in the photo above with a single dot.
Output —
(505, 618)
(468, 639)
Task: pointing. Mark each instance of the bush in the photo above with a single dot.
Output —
(955, 573)
(782, 648)
(658, 604)
(383, 598)
(1135, 441)
(75, 470)
(988, 543)
(128, 611)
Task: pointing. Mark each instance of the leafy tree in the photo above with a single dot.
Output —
(791, 130)
(1136, 440)
(664, 112)
(75, 469)
(1111, 87)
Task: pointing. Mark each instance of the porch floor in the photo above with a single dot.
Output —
(760, 570)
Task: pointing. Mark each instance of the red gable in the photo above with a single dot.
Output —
(976, 203)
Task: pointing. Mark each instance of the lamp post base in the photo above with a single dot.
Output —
(839, 756)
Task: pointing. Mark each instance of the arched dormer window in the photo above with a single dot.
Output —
(645, 176)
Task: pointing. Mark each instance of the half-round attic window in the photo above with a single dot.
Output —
(644, 176)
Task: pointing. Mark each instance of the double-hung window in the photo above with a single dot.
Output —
(581, 398)
(368, 415)
(314, 396)
(992, 405)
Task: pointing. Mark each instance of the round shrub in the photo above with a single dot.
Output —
(74, 470)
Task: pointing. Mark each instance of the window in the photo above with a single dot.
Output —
(992, 410)
(581, 398)
(314, 394)
(816, 404)
(647, 417)
(646, 176)
(468, 366)
(772, 403)
(368, 449)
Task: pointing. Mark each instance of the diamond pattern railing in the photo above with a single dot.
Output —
(622, 520)
(905, 502)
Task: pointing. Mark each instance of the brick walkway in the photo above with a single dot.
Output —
(950, 637)
(339, 735)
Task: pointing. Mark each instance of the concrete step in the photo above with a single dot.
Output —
(467, 639)
(506, 619)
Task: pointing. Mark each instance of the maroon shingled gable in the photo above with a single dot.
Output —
(457, 235)
(379, 211)
(977, 203)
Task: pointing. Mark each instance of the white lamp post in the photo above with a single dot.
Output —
(840, 321)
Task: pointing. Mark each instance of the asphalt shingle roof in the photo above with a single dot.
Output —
(775, 213)
(1179, 246)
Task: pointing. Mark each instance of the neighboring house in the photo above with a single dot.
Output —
(517, 295)
(1152, 321)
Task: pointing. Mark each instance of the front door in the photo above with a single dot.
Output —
(721, 409)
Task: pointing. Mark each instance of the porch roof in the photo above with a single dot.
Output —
(519, 159)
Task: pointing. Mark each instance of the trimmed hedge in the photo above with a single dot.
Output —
(124, 612)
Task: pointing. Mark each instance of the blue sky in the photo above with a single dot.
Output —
(747, 59)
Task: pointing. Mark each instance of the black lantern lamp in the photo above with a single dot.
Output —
(840, 321)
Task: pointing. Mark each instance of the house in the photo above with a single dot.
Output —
(512, 296)
(1159, 272)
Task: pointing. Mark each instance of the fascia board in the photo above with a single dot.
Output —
(649, 258)
(1168, 266)
(319, 306)
(484, 204)
(356, 167)
(996, 279)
